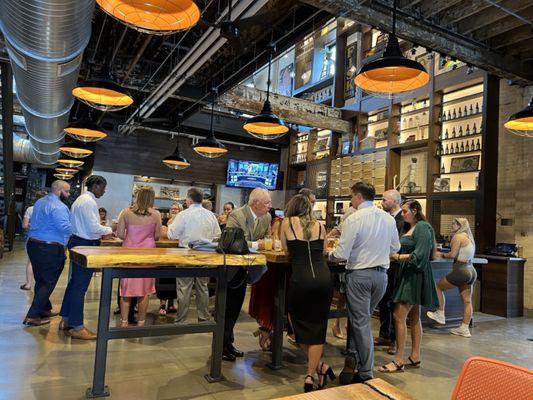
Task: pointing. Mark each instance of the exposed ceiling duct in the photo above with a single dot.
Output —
(45, 42)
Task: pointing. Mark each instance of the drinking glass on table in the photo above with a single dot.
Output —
(268, 243)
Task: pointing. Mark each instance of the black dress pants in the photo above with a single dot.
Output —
(386, 305)
(234, 299)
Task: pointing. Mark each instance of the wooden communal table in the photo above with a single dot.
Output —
(121, 262)
(163, 243)
(374, 389)
(281, 263)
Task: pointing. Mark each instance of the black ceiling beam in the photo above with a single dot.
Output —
(435, 37)
(469, 8)
(429, 8)
(501, 26)
(510, 38)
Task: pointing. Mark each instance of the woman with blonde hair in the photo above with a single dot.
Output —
(139, 226)
(310, 288)
(463, 275)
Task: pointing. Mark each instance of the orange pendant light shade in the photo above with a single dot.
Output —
(161, 17)
(75, 150)
(67, 171)
(85, 131)
(64, 177)
(102, 94)
(69, 162)
(521, 123)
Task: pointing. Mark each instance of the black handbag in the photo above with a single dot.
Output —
(232, 241)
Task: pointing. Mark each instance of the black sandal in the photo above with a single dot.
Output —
(397, 368)
(309, 387)
(329, 373)
(413, 364)
(24, 287)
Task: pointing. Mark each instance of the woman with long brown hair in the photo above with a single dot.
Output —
(415, 285)
(310, 287)
(139, 226)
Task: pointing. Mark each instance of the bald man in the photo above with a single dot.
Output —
(254, 219)
(392, 200)
(49, 232)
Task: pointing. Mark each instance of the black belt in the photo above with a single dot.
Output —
(379, 268)
(87, 240)
(46, 242)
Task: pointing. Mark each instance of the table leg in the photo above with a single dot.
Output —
(279, 316)
(99, 389)
(215, 373)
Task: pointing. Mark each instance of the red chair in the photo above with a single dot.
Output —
(487, 379)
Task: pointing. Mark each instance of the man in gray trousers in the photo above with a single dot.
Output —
(368, 238)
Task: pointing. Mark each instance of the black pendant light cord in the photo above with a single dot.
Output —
(180, 116)
(270, 51)
(212, 133)
(394, 17)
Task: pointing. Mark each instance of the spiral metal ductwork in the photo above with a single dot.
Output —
(45, 40)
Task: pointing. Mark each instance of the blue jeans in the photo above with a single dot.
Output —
(364, 290)
(80, 278)
(47, 261)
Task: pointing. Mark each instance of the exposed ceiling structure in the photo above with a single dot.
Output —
(494, 35)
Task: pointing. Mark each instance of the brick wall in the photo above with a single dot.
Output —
(515, 183)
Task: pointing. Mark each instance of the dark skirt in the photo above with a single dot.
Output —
(166, 288)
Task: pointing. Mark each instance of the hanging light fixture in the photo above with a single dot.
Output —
(69, 162)
(75, 150)
(103, 94)
(176, 161)
(67, 171)
(159, 17)
(392, 75)
(210, 147)
(521, 123)
(64, 177)
(266, 125)
(85, 130)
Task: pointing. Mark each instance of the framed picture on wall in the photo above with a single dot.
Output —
(465, 164)
(349, 67)
(285, 81)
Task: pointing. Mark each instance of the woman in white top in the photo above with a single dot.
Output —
(26, 221)
(463, 275)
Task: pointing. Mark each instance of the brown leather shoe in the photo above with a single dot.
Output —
(392, 349)
(82, 334)
(49, 314)
(379, 341)
(63, 326)
(36, 321)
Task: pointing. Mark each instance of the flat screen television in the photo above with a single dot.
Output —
(252, 174)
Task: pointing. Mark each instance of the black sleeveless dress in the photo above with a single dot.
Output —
(310, 290)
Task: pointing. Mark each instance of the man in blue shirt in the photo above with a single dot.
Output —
(49, 233)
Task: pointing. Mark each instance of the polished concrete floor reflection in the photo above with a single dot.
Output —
(40, 363)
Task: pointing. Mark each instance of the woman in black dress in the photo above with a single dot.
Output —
(310, 288)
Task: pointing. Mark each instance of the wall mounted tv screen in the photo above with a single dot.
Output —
(252, 174)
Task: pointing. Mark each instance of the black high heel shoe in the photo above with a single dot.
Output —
(309, 387)
(329, 373)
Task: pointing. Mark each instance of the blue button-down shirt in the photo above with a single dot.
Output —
(50, 221)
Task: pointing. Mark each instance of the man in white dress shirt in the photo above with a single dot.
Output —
(194, 223)
(86, 231)
(368, 238)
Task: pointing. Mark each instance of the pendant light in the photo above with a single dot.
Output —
(392, 75)
(266, 125)
(521, 123)
(103, 94)
(210, 147)
(85, 130)
(176, 161)
(67, 171)
(75, 150)
(64, 177)
(159, 17)
(69, 162)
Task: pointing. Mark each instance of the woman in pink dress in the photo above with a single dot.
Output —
(139, 226)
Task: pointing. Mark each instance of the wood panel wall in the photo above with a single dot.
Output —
(142, 152)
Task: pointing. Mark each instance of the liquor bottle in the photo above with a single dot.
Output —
(437, 151)
(467, 132)
(442, 170)
(454, 114)
(449, 115)
(453, 132)
(478, 145)
(460, 114)
(477, 108)
(472, 146)
(462, 147)
(446, 134)
(474, 129)
(471, 109)
(440, 118)
(467, 147)
(465, 112)
(447, 150)
(461, 131)
(443, 115)
(460, 187)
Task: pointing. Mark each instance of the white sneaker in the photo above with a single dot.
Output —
(437, 316)
(461, 331)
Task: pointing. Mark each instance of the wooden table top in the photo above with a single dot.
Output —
(102, 257)
(374, 389)
(117, 242)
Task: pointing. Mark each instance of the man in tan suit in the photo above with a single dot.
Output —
(254, 220)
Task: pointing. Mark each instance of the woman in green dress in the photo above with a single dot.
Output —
(415, 285)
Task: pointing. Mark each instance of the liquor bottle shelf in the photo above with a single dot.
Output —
(459, 153)
(470, 116)
(471, 135)
(455, 173)
(463, 99)
(419, 110)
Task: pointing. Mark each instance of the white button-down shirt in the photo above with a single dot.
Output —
(368, 238)
(85, 218)
(192, 224)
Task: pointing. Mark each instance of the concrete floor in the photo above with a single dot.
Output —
(40, 363)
